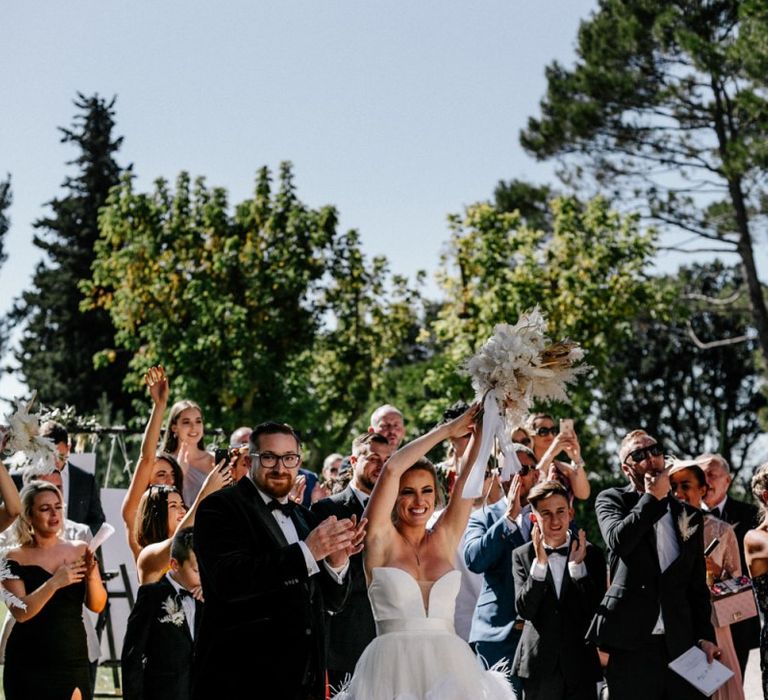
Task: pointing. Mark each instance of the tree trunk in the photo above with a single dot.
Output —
(754, 288)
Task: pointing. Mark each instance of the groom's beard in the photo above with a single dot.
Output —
(275, 484)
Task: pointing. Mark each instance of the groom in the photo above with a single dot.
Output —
(269, 569)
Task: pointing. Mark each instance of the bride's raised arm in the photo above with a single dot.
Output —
(454, 520)
(379, 510)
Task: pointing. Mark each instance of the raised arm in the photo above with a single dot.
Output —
(159, 389)
(155, 557)
(384, 495)
(454, 520)
(11, 506)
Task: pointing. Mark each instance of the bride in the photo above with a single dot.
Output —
(413, 586)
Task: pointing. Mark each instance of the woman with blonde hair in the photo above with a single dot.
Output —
(46, 656)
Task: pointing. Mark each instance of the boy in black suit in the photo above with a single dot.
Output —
(157, 650)
(559, 582)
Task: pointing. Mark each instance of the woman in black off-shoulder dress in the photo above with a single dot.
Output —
(46, 657)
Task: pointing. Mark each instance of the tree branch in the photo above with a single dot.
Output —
(714, 343)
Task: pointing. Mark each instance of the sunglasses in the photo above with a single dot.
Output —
(525, 470)
(543, 432)
(642, 453)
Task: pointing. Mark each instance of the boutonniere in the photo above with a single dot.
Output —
(685, 527)
(174, 612)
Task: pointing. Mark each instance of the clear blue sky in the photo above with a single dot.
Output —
(397, 112)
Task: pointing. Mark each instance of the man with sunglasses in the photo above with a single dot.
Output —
(269, 570)
(657, 606)
(492, 534)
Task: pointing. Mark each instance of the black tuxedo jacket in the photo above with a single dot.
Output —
(352, 629)
(628, 613)
(83, 500)
(262, 630)
(84, 504)
(157, 656)
(555, 627)
(743, 516)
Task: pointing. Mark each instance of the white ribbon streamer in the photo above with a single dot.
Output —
(493, 423)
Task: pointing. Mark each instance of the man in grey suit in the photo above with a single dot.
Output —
(352, 629)
(492, 534)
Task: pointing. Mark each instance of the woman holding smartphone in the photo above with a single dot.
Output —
(548, 443)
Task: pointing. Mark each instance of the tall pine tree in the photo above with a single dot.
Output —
(59, 341)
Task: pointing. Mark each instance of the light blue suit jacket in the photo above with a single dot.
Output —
(488, 549)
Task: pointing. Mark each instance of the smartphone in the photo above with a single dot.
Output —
(566, 426)
(221, 453)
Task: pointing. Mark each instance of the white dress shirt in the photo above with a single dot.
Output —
(556, 563)
(362, 497)
(292, 537)
(667, 550)
(187, 603)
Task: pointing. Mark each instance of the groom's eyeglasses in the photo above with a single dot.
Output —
(639, 455)
(269, 460)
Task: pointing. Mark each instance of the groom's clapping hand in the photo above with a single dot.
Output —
(332, 538)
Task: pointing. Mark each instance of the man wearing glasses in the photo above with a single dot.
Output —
(657, 606)
(269, 570)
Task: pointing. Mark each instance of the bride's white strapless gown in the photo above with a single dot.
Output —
(416, 654)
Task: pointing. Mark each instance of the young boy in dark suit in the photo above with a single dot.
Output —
(559, 581)
(157, 650)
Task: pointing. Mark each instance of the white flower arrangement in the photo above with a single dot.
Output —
(516, 365)
(22, 440)
(174, 612)
(5, 595)
(519, 364)
(684, 526)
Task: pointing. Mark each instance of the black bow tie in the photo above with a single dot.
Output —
(562, 551)
(285, 508)
(183, 593)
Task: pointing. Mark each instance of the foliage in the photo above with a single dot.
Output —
(59, 341)
(267, 313)
(668, 101)
(5, 223)
(530, 201)
(693, 399)
(587, 276)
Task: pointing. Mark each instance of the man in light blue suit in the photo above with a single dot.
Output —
(492, 534)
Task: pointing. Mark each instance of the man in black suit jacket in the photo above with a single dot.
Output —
(743, 516)
(269, 569)
(559, 581)
(657, 606)
(80, 490)
(157, 649)
(352, 629)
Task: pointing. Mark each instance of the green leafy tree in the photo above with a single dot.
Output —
(58, 342)
(668, 101)
(693, 398)
(587, 275)
(264, 313)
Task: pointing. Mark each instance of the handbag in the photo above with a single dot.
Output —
(733, 600)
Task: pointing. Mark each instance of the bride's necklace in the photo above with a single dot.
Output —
(417, 547)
